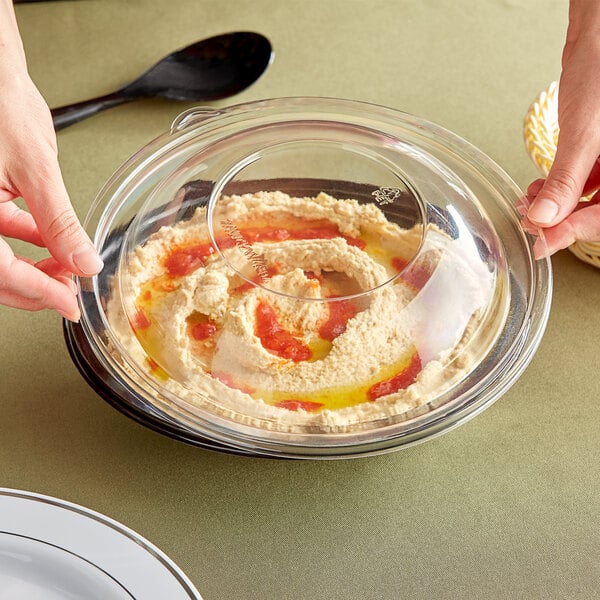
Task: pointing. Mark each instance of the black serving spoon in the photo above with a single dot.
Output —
(214, 68)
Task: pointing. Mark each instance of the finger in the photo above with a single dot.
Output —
(529, 227)
(18, 224)
(7, 195)
(534, 188)
(47, 199)
(522, 207)
(16, 301)
(51, 267)
(68, 282)
(540, 248)
(55, 270)
(583, 225)
(563, 187)
(593, 181)
(20, 279)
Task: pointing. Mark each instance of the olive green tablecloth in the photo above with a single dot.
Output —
(506, 506)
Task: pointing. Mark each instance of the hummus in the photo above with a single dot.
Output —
(303, 315)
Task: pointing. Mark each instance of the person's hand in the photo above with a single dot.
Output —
(555, 202)
(29, 169)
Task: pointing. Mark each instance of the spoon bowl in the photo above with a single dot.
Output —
(214, 68)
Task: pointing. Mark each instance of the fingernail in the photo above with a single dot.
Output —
(540, 250)
(86, 259)
(70, 317)
(530, 228)
(72, 286)
(543, 211)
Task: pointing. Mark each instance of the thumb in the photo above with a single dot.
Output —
(563, 187)
(583, 225)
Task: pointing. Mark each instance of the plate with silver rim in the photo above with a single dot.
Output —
(51, 549)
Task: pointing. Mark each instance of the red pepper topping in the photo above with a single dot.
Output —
(264, 234)
(416, 276)
(152, 364)
(340, 312)
(306, 405)
(202, 331)
(398, 382)
(312, 275)
(141, 320)
(183, 261)
(357, 242)
(398, 263)
(317, 232)
(326, 233)
(247, 285)
(276, 339)
(200, 326)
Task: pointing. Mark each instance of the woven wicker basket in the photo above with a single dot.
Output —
(541, 134)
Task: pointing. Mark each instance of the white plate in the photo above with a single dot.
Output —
(51, 549)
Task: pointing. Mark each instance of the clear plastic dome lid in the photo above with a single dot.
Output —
(310, 266)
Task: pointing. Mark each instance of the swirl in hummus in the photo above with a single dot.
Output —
(328, 331)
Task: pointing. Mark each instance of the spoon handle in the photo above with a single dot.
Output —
(64, 116)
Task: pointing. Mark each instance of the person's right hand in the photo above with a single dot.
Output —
(575, 172)
(29, 169)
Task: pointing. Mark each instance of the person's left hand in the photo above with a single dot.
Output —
(29, 169)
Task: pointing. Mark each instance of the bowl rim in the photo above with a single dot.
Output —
(525, 344)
